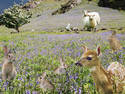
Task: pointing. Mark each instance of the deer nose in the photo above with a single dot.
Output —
(78, 63)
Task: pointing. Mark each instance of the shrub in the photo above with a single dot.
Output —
(15, 17)
(117, 4)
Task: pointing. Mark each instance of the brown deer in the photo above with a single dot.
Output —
(117, 71)
(102, 78)
(114, 42)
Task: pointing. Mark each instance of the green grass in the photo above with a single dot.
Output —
(37, 52)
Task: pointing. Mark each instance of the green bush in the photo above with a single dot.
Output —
(15, 17)
(117, 4)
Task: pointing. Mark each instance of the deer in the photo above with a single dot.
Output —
(114, 42)
(103, 80)
(8, 68)
(117, 71)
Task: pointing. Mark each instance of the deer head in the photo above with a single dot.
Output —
(89, 58)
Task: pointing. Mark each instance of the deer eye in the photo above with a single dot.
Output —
(89, 58)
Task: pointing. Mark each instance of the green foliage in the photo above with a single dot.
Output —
(15, 17)
(117, 4)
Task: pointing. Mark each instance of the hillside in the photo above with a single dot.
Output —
(110, 18)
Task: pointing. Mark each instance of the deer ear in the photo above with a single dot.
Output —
(85, 49)
(98, 50)
(5, 50)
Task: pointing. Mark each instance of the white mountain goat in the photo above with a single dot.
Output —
(90, 23)
(90, 19)
(97, 16)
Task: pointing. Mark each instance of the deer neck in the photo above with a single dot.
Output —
(101, 78)
(100, 75)
(98, 71)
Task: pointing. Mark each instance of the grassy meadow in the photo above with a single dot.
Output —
(37, 52)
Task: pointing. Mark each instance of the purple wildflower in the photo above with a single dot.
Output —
(28, 92)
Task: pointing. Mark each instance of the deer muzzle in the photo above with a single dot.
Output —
(78, 63)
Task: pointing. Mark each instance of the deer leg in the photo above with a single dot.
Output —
(107, 88)
(98, 88)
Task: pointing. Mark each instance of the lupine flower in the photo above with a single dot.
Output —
(28, 92)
